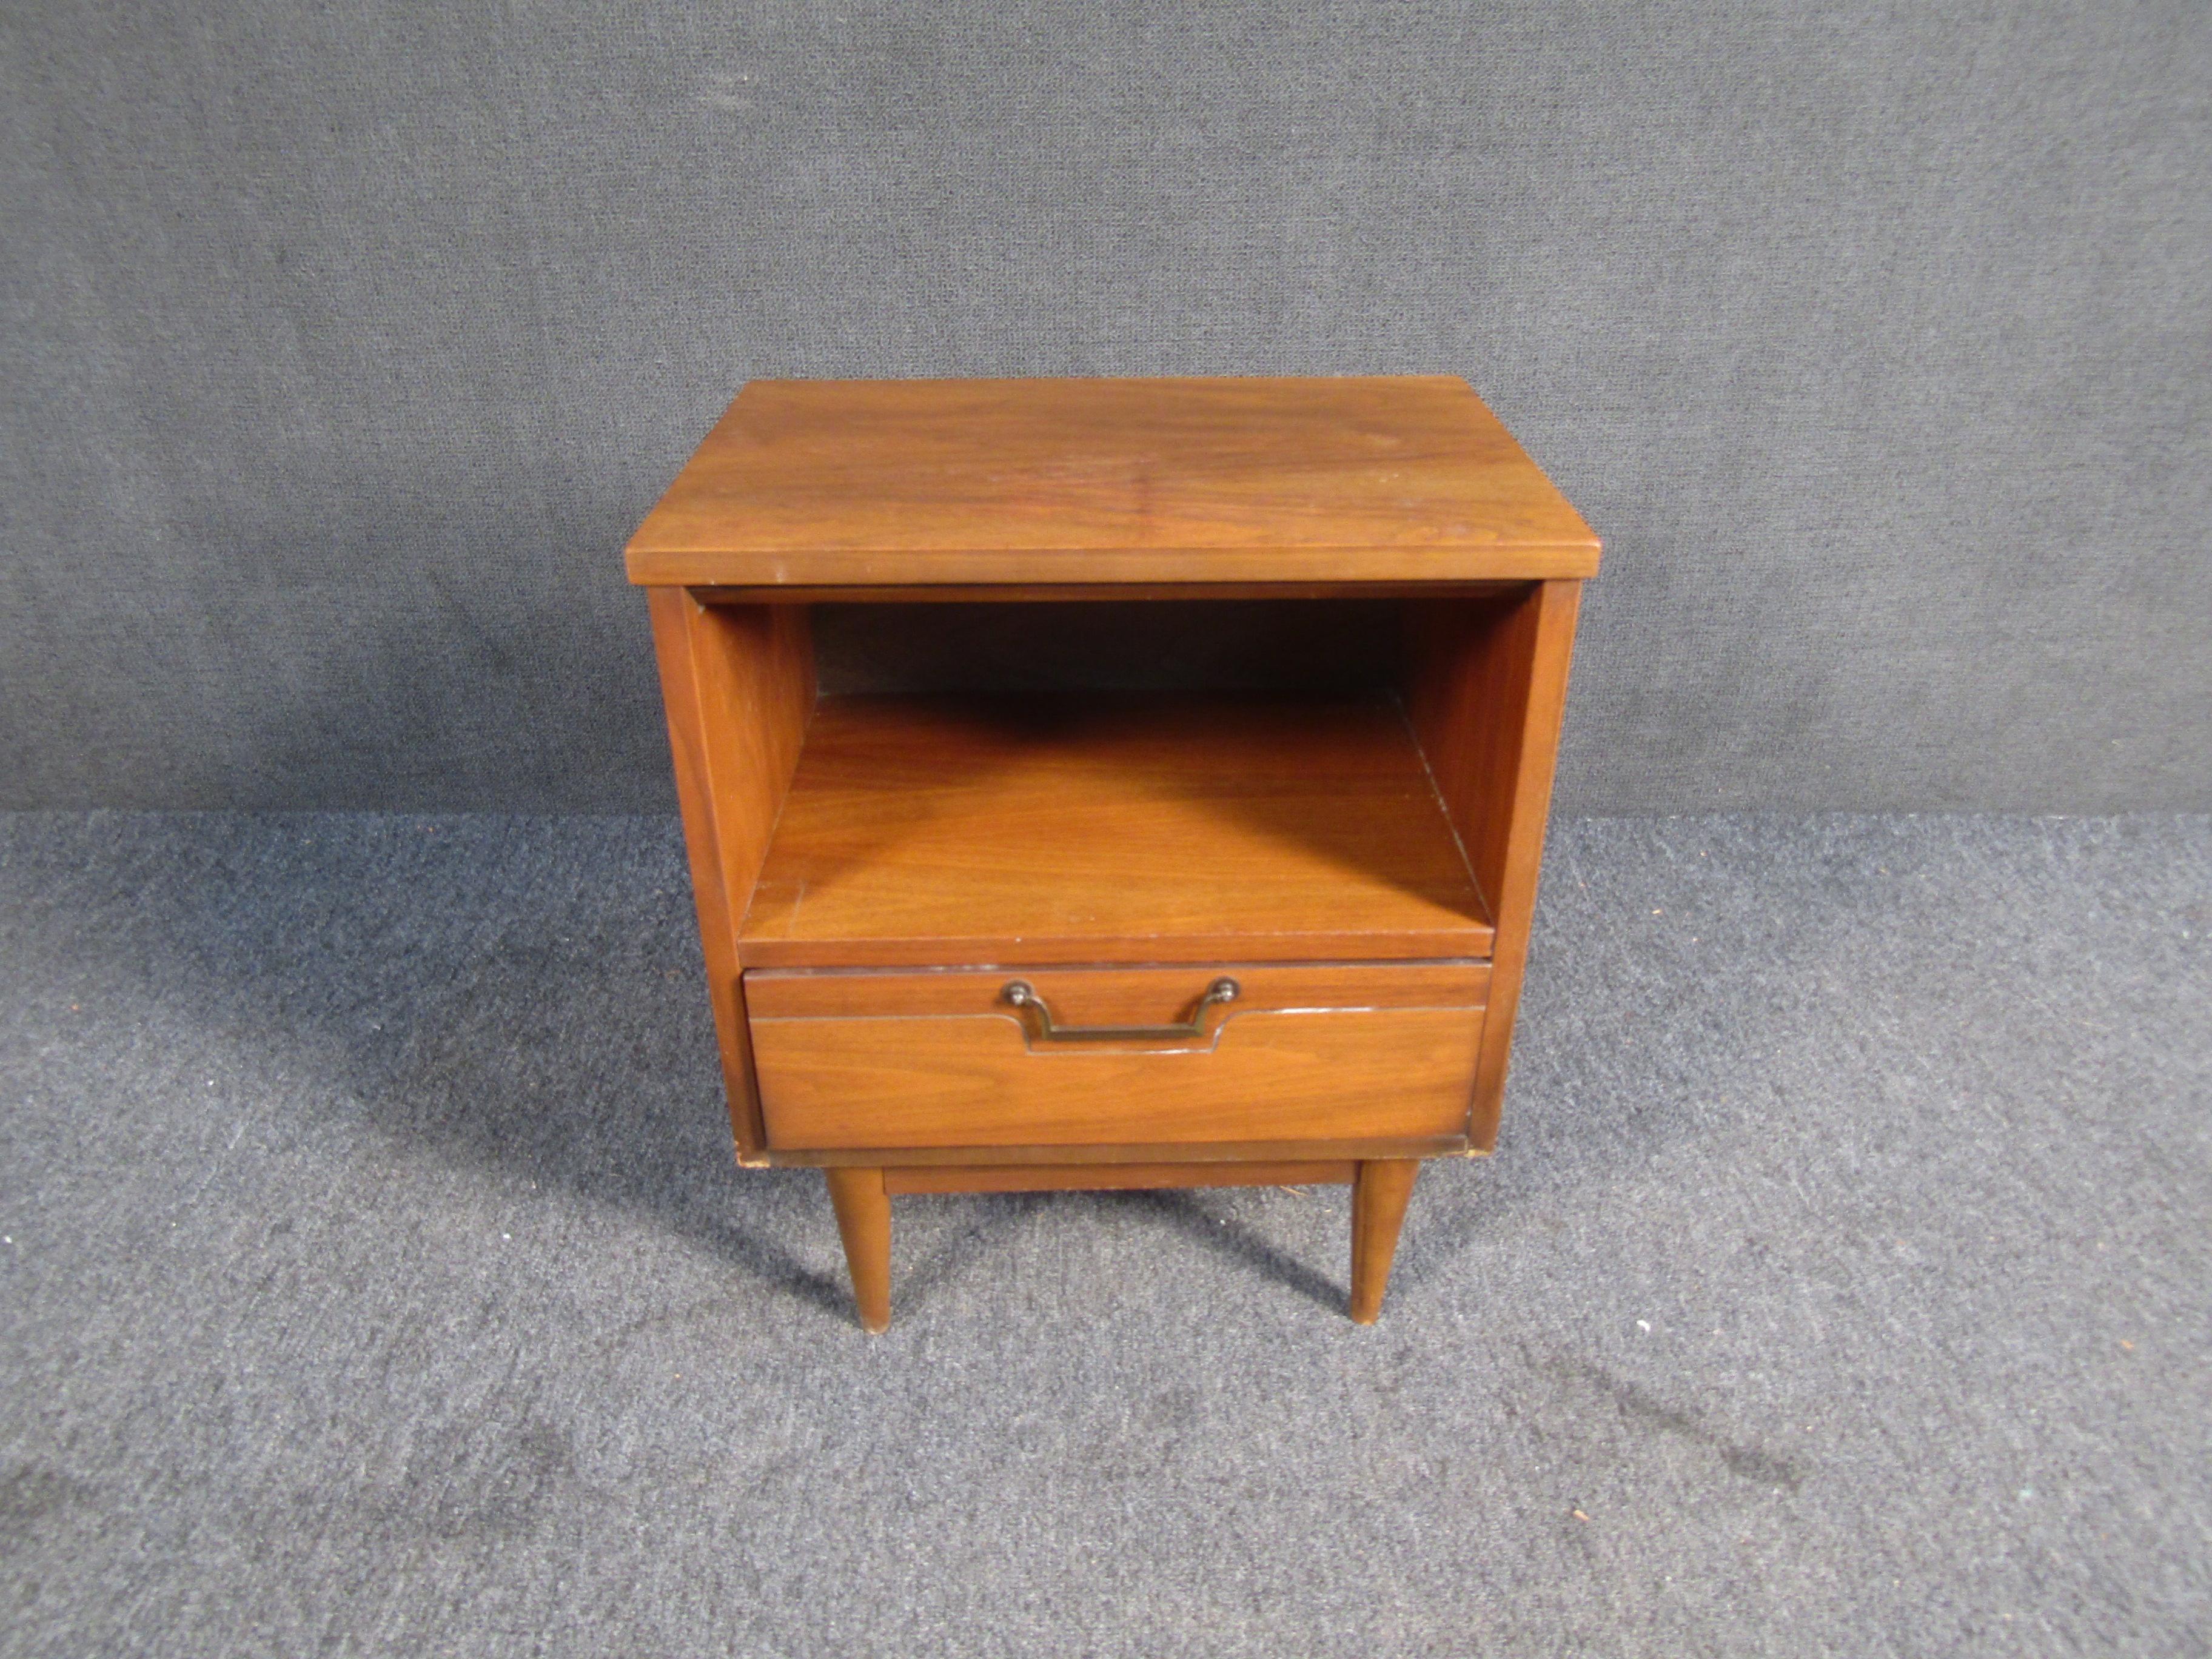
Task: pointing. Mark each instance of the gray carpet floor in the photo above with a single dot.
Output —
(377, 1279)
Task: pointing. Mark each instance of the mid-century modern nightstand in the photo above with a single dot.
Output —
(1002, 941)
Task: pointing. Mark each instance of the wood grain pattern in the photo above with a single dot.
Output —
(738, 686)
(1486, 690)
(1112, 1177)
(863, 1223)
(944, 832)
(1380, 1191)
(860, 867)
(1141, 995)
(1399, 478)
(974, 1081)
(1093, 592)
(1108, 1152)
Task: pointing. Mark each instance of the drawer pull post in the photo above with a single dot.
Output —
(1043, 1029)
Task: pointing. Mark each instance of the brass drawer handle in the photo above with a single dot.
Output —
(1024, 996)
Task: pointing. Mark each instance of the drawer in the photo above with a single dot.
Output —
(857, 1059)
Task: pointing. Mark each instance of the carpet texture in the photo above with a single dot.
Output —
(376, 1278)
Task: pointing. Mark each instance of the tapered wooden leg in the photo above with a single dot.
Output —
(1379, 1192)
(864, 1221)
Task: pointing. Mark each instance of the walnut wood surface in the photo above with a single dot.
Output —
(976, 1079)
(863, 1223)
(1111, 1152)
(738, 684)
(1116, 996)
(1122, 592)
(1102, 1177)
(1485, 692)
(1380, 1190)
(897, 482)
(860, 866)
(943, 832)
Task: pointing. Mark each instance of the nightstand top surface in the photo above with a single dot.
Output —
(919, 482)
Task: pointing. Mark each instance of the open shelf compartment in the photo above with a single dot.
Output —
(1184, 826)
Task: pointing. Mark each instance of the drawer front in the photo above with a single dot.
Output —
(1113, 1056)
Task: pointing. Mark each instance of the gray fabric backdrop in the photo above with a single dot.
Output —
(344, 344)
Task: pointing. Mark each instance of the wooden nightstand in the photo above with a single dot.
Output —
(1010, 941)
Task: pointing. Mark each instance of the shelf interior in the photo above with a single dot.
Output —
(966, 830)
